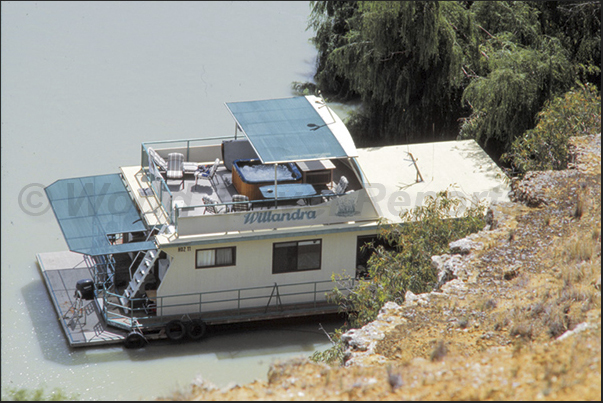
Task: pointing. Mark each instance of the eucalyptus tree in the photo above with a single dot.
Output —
(475, 69)
(520, 69)
(403, 59)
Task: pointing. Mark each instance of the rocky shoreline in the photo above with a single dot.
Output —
(516, 316)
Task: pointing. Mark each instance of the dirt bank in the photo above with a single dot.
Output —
(518, 319)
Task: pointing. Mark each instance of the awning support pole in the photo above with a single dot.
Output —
(275, 184)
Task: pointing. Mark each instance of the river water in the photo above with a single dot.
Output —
(83, 84)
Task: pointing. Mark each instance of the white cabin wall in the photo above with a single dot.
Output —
(253, 269)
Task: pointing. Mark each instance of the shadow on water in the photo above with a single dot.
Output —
(225, 342)
(248, 339)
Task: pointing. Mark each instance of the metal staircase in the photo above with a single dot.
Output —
(144, 268)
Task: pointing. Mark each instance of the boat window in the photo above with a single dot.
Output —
(215, 257)
(290, 257)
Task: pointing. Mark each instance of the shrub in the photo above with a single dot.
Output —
(426, 231)
(23, 394)
(439, 351)
(334, 354)
(576, 113)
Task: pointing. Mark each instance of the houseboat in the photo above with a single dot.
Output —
(245, 227)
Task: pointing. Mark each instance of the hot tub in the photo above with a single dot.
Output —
(249, 175)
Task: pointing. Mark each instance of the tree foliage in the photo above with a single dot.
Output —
(481, 69)
(400, 58)
(576, 113)
(331, 21)
(521, 79)
(426, 231)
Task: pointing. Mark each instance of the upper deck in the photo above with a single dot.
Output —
(287, 169)
(293, 165)
(184, 203)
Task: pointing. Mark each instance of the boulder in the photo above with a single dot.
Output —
(448, 268)
(359, 344)
(464, 246)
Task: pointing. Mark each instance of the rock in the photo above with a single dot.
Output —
(464, 246)
(360, 343)
(510, 273)
(448, 268)
(389, 312)
(411, 299)
(579, 328)
(203, 384)
(356, 339)
(456, 287)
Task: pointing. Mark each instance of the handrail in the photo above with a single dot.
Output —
(188, 140)
(263, 201)
(149, 165)
(106, 263)
(113, 317)
(172, 211)
(153, 228)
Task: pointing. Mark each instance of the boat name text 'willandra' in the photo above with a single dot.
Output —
(269, 216)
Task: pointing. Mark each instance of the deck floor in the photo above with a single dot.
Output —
(61, 271)
(188, 193)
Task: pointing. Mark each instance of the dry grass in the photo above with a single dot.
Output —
(578, 248)
(486, 304)
(439, 351)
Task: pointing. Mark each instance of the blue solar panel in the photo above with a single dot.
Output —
(288, 129)
(90, 208)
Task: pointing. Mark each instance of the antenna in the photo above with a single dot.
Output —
(419, 177)
(324, 104)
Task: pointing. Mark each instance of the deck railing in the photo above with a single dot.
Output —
(102, 268)
(228, 207)
(204, 151)
(185, 145)
(158, 184)
(238, 303)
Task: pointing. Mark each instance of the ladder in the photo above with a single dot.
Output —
(144, 268)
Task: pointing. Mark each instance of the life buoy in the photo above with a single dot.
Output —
(134, 340)
(175, 330)
(196, 329)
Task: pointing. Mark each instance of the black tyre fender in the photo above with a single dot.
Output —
(175, 330)
(196, 329)
(135, 340)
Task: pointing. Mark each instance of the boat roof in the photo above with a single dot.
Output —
(400, 177)
(293, 129)
(91, 209)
